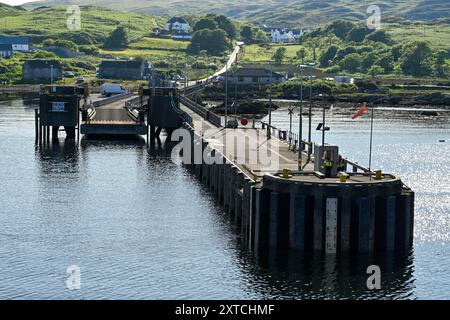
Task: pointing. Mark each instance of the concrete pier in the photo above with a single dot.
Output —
(304, 211)
(276, 208)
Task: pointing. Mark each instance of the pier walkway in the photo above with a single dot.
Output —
(252, 140)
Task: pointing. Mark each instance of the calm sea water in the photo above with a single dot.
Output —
(142, 227)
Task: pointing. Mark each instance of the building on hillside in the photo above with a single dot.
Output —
(285, 35)
(344, 79)
(252, 76)
(6, 50)
(18, 43)
(45, 70)
(124, 69)
(181, 36)
(178, 25)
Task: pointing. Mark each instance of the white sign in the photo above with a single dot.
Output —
(58, 107)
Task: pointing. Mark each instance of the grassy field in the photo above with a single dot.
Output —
(96, 24)
(151, 46)
(257, 53)
(438, 35)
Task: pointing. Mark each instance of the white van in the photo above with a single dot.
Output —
(108, 89)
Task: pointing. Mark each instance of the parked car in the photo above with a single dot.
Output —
(68, 74)
(109, 89)
(80, 79)
(233, 124)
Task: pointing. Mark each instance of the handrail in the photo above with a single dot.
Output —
(287, 135)
(183, 115)
(201, 111)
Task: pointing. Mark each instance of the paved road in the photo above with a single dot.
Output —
(113, 112)
(231, 60)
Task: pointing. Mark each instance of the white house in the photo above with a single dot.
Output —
(18, 43)
(285, 36)
(344, 79)
(178, 25)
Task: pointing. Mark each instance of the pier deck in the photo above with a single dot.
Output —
(286, 158)
(112, 119)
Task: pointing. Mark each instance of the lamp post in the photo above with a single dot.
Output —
(300, 121)
(310, 65)
(51, 74)
(226, 95)
(269, 130)
(185, 75)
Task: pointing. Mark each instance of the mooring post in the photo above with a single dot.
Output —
(252, 217)
(363, 225)
(297, 222)
(404, 230)
(238, 198)
(245, 209)
(331, 225)
(389, 224)
(232, 194)
(318, 219)
(36, 124)
(226, 186)
(273, 221)
(345, 222)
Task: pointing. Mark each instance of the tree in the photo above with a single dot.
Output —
(396, 52)
(375, 71)
(226, 25)
(279, 55)
(44, 55)
(214, 42)
(260, 37)
(301, 54)
(368, 61)
(386, 62)
(441, 63)
(379, 36)
(417, 59)
(205, 23)
(358, 34)
(344, 52)
(327, 56)
(61, 44)
(247, 33)
(340, 28)
(351, 62)
(89, 49)
(117, 39)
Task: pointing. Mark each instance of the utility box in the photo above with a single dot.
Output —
(319, 152)
(59, 106)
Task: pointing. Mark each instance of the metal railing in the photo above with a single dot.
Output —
(292, 139)
(136, 103)
(183, 115)
(202, 111)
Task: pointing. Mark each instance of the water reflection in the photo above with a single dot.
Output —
(306, 276)
(142, 227)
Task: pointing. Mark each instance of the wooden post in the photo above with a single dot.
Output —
(36, 124)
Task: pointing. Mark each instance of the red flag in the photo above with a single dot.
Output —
(360, 112)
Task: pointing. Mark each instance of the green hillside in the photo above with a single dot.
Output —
(278, 12)
(96, 24)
